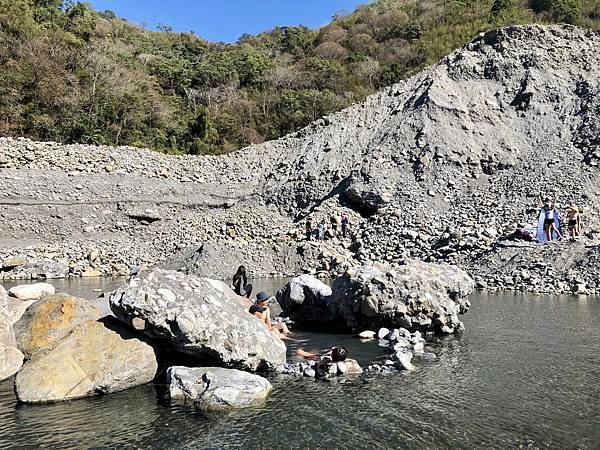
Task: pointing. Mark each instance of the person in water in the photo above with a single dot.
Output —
(240, 283)
(550, 218)
(334, 354)
(574, 220)
(261, 310)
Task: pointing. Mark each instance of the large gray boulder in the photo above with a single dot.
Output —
(199, 317)
(306, 299)
(216, 388)
(11, 359)
(415, 295)
(97, 357)
(33, 291)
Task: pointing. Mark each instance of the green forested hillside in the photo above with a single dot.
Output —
(71, 74)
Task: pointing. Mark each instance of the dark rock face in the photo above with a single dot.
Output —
(307, 300)
(199, 317)
(415, 295)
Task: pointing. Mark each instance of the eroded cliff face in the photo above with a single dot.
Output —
(437, 167)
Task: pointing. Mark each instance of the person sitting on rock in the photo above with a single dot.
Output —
(240, 283)
(261, 310)
(574, 220)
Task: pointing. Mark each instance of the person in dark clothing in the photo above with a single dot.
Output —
(240, 283)
(334, 224)
(309, 229)
(345, 223)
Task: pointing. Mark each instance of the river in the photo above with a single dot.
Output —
(525, 373)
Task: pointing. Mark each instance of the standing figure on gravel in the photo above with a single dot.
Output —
(240, 283)
(548, 221)
(321, 230)
(309, 229)
(574, 220)
(334, 224)
(345, 223)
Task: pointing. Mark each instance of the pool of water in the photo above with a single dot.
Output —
(525, 373)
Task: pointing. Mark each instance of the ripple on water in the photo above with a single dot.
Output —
(525, 373)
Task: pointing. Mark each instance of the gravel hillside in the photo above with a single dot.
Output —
(441, 167)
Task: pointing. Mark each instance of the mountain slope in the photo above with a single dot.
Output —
(437, 167)
(71, 74)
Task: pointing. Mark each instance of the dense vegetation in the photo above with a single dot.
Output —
(71, 74)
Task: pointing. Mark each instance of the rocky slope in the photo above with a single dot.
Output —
(437, 167)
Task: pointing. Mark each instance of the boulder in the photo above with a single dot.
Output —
(16, 308)
(415, 295)
(305, 299)
(11, 359)
(11, 263)
(31, 291)
(49, 320)
(42, 268)
(216, 388)
(97, 357)
(199, 317)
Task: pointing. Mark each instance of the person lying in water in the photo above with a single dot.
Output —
(334, 354)
(261, 310)
(550, 217)
(324, 360)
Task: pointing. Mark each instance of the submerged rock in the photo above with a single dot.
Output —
(31, 291)
(199, 317)
(96, 358)
(50, 320)
(216, 388)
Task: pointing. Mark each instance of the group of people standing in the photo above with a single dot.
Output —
(549, 223)
(321, 232)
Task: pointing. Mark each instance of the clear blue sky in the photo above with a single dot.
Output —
(226, 20)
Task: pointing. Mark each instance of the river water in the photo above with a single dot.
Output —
(525, 373)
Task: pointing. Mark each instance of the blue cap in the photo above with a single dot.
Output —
(262, 296)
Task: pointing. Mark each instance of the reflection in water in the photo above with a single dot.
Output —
(525, 373)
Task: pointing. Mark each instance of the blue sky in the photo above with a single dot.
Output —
(226, 20)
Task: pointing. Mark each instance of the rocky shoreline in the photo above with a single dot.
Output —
(61, 347)
(443, 167)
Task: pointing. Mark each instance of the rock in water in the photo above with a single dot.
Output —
(50, 320)
(96, 358)
(31, 291)
(403, 360)
(305, 299)
(11, 359)
(216, 388)
(415, 295)
(197, 316)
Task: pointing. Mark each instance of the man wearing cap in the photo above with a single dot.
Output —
(261, 310)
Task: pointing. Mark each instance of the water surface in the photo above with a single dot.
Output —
(524, 373)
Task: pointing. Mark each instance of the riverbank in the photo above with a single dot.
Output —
(442, 167)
